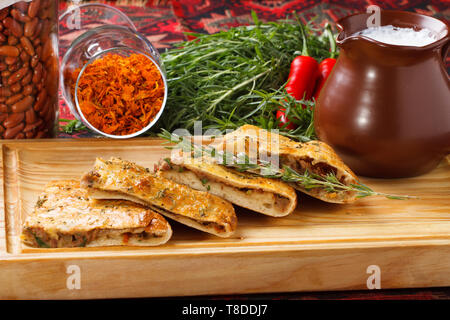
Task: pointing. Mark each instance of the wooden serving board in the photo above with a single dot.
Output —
(319, 247)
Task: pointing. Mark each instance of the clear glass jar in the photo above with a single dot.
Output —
(94, 43)
(29, 68)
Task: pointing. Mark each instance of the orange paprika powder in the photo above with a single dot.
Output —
(120, 95)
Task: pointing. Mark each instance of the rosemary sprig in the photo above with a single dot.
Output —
(71, 126)
(242, 163)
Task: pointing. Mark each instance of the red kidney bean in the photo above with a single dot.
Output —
(37, 74)
(3, 108)
(19, 15)
(40, 100)
(46, 26)
(15, 88)
(38, 32)
(38, 51)
(12, 41)
(14, 67)
(30, 27)
(30, 116)
(5, 92)
(36, 42)
(10, 60)
(9, 51)
(24, 57)
(28, 90)
(50, 116)
(18, 75)
(3, 117)
(22, 105)
(40, 134)
(47, 49)
(27, 79)
(34, 61)
(14, 27)
(21, 6)
(13, 99)
(45, 108)
(27, 45)
(13, 120)
(10, 133)
(32, 126)
(4, 13)
(33, 8)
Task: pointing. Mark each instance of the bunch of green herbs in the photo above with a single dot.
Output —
(237, 77)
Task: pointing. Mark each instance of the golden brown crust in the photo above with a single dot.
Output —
(201, 210)
(316, 156)
(64, 216)
(263, 195)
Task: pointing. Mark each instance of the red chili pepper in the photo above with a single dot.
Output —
(302, 78)
(281, 116)
(301, 81)
(325, 68)
(326, 65)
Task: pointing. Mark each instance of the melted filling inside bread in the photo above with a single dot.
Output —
(38, 237)
(246, 197)
(321, 168)
(95, 193)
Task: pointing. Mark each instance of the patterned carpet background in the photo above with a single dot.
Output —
(164, 23)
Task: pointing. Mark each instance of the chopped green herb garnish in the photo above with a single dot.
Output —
(41, 201)
(83, 244)
(169, 162)
(39, 242)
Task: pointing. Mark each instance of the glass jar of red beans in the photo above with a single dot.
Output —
(29, 69)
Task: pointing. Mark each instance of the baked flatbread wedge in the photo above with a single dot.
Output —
(64, 216)
(120, 179)
(315, 156)
(267, 196)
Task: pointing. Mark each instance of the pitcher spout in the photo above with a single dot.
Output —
(354, 28)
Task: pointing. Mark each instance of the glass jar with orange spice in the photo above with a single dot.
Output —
(114, 81)
(29, 68)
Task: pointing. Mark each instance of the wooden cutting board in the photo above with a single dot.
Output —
(375, 242)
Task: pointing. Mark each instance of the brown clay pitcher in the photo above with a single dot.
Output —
(385, 109)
